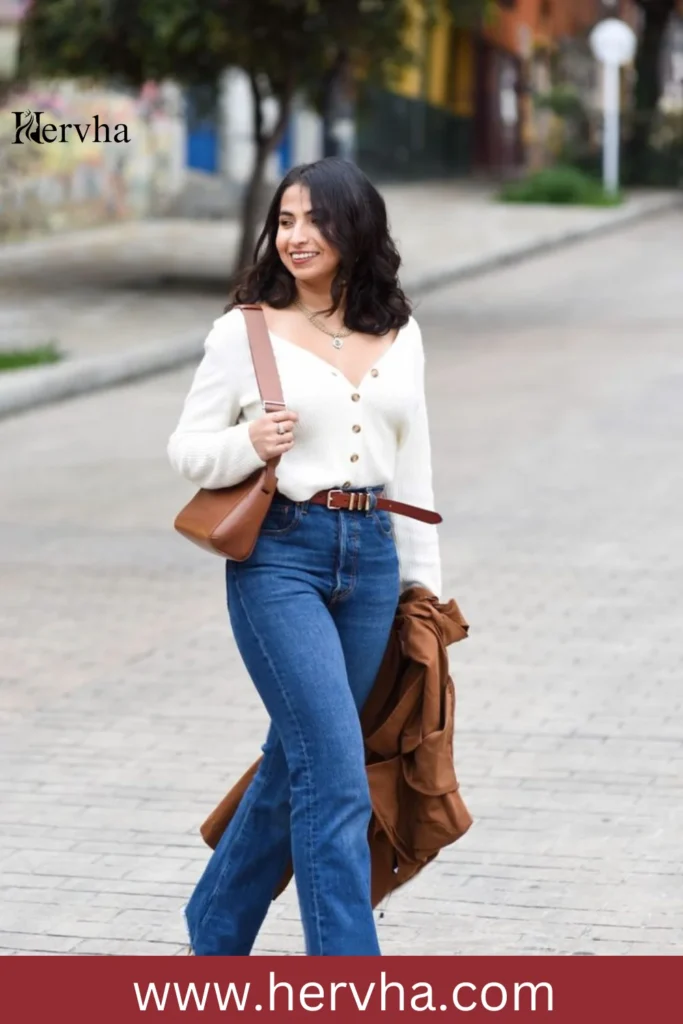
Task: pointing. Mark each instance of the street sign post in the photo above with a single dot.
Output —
(613, 43)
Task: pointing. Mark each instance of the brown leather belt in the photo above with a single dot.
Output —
(359, 501)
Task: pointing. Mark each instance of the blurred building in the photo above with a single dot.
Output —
(424, 126)
(469, 103)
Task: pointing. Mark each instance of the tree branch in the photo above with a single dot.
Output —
(258, 109)
(267, 141)
(285, 100)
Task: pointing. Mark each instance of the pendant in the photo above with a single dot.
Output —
(337, 342)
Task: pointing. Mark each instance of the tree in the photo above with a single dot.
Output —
(656, 15)
(284, 46)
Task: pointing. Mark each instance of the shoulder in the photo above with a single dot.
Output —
(227, 341)
(412, 335)
(229, 329)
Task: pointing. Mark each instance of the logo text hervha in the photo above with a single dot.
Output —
(29, 128)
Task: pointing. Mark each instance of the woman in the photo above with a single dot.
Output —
(311, 609)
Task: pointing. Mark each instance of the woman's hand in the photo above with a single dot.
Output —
(273, 434)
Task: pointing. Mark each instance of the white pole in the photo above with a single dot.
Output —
(611, 85)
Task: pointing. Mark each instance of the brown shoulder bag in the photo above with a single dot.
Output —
(227, 521)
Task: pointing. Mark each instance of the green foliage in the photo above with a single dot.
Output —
(559, 185)
(563, 101)
(290, 42)
(566, 104)
(17, 359)
(465, 13)
(78, 38)
(658, 164)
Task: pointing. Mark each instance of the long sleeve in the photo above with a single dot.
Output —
(417, 543)
(209, 446)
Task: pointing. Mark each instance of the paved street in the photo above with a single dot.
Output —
(556, 396)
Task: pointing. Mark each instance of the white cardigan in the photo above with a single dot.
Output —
(212, 448)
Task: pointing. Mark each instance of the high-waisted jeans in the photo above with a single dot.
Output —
(311, 612)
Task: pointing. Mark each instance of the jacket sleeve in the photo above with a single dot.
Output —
(417, 543)
(209, 446)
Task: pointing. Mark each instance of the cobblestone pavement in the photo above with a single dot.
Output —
(557, 416)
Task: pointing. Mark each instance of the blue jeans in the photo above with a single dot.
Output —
(311, 612)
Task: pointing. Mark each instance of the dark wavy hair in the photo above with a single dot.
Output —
(351, 215)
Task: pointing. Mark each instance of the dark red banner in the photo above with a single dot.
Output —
(562, 990)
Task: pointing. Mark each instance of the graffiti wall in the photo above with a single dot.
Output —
(74, 175)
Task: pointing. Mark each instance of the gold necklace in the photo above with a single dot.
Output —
(313, 318)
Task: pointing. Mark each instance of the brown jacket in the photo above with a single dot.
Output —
(408, 725)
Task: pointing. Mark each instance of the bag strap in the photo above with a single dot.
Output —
(263, 358)
(267, 377)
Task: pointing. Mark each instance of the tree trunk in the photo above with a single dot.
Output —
(333, 103)
(648, 89)
(250, 210)
(265, 144)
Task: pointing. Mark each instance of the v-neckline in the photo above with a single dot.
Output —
(335, 369)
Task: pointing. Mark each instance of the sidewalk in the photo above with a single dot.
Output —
(135, 298)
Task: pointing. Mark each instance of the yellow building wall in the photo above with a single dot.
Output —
(463, 71)
(409, 81)
(447, 79)
(438, 67)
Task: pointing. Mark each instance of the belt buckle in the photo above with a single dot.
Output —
(335, 508)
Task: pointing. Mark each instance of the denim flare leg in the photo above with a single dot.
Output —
(311, 612)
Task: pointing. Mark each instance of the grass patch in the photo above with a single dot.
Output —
(565, 186)
(18, 359)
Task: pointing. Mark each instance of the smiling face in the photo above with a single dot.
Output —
(305, 252)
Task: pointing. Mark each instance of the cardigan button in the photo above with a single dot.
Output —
(354, 458)
(347, 484)
(356, 428)
(374, 373)
(355, 397)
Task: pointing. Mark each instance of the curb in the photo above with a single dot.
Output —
(28, 389)
(451, 275)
